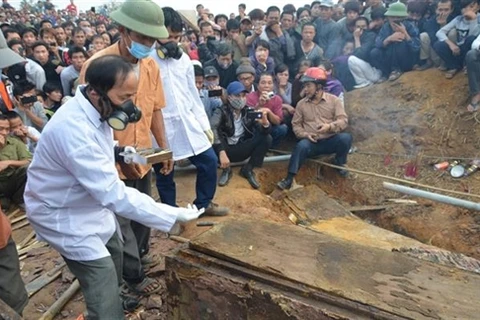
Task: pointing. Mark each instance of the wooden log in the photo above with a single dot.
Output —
(368, 208)
(23, 217)
(179, 239)
(61, 302)
(7, 313)
(34, 245)
(13, 213)
(25, 240)
(37, 284)
(20, 225)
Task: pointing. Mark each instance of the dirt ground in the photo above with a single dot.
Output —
(420, 114)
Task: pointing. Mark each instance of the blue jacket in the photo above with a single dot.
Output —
(387, 30)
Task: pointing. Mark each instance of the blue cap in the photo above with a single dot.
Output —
(236, 87)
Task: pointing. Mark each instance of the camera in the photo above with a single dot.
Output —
(270, 95)
(28, 100)
(253, 114)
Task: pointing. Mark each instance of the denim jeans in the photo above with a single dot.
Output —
(451, 61)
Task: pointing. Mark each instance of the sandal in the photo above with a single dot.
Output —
(473, 107)
(451, 73)
(394, 75)
(145, 288)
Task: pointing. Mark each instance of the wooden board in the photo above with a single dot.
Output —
(392, 282)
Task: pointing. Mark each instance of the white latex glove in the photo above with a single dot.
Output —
(210, 136)
(129, 152)
(189, 213)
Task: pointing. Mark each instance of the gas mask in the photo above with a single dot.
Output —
(169, 50)
(118, 116)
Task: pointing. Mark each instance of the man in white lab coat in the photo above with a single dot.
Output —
(73, 189)
(187, 125)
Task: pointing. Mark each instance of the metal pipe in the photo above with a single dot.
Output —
(266, 160)
(432, 196)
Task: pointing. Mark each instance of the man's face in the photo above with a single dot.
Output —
(68, 31)
(78, 59)
(79, 39)
(60, 35)
(308, 33)
(30, 93)
(200, 10)
(351, 15)
(222, 22)
(233, 33)
(414, 16)
(246, 79)
(246, 25)
(172, 37)
(55, 95)
(273, 18)
(101, 28)
(361, 24)
(84, 24)
(40, 53)
(12, 36)
(241, 10)
(18, 48)
(15, 124)
(395, 21)
(287, 21)
(472, 8)
(310, 90)
(50, 39)
(4, 128)
(265, 84)
(379, 22)
(124, 91)
(46, 25)
(199, 82)
(325, 13)
(444, 8)
(315, 11)
(207, 31)
(225, 60)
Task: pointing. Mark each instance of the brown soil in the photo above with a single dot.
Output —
(423, 111)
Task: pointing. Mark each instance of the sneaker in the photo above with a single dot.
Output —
(214, 210)
(250, 176)
(225, 177)
(362, 85)
(285, 184)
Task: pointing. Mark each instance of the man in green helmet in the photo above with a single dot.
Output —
(140, 23)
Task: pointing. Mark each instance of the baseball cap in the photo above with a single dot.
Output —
(236, 87)
(246, 18)
(327, 3)
(210, 72)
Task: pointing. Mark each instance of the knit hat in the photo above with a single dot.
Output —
(245, 68)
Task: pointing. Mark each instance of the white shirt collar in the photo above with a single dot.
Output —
(92, 113)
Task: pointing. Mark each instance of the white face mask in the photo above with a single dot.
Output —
(237, 103)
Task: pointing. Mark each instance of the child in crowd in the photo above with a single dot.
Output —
(27, 134)
(52, 98)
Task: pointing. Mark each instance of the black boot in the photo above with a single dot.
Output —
(248, 174)
(225, 177)
(285, 184)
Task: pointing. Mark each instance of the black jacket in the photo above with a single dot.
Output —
(367, 40)
(226, 76)
(222, 124)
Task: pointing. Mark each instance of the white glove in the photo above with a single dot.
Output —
(189, 213)
(128, 154)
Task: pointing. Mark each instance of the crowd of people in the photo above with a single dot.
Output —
(215, 91)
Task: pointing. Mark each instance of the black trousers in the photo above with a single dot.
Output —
(12, 288)
(256, 148)
(14, 186)
(136, 236)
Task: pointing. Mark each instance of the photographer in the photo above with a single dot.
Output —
(240, 133)
(26, 105)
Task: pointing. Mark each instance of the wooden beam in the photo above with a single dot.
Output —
(37, 284)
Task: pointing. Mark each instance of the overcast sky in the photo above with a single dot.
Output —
(215, 6)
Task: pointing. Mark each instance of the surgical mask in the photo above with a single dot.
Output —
(224, 66)
(210, 83)
(237, 103)
(139, 50)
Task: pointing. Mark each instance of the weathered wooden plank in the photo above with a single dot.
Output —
(389, 281)
(7, 313)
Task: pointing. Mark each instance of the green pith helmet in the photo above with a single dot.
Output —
(397, 9)
(142, 16)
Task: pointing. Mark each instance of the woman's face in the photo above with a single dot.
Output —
(282, 78)
(106, 39)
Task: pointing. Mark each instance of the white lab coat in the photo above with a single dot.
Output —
(184, 115)
(73, 188)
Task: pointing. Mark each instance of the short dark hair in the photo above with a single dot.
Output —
(40, 43)
(281, 68)
(77, 30)
(289, 8)
(351, 6)
(9, 115)
(67, 24)
(223, 49)
(218, 16)
(45, 31)
(300, 11)
(233, 24)
(205, 24)
(290, 13)
(22, 87)
(199, 5)
(378, 13)
(262, 43)
(14, 42)
(309, 24)
(29, 30)
(465, 3)
(49, 87)
(99, 23)
(256, 14)
(242, 5)
(361, 18)
(173, 20)
(314, 3)
(43, 22)
(4, 117)
(273, 9)
(198, 71)
(9, 30)
(76, 49)
(103, 73)
(265, 74)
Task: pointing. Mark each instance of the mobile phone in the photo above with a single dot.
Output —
(90, 46)
(215, 93)
(254, 115)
